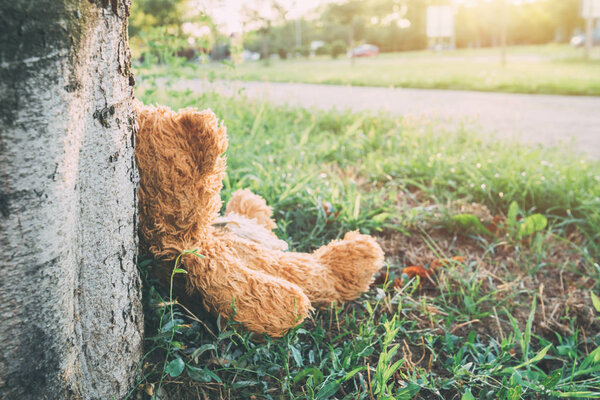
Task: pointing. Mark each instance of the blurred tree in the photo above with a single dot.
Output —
(350, 14)
(337, 49)
(478, 24)
(393, 25)
(147, 14)
(161, 29)
(532, 23)
(329, 31)
(397, 25)
(283, 38)
(566, 14)
(261, 16)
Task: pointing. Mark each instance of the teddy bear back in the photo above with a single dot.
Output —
(180, 162)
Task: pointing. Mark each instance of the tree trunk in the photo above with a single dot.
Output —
(70, 313)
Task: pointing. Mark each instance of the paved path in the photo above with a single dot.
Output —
(545, 119)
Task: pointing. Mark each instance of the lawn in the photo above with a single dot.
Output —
(513, 318)
(551, 69)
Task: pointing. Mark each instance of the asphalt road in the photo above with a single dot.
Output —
(529, 118)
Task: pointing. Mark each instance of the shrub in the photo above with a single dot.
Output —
(303, 51)
(337, 48)
(323, 50)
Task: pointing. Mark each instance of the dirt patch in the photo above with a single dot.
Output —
(504, 277)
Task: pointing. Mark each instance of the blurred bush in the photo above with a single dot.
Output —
(282, 52)
(338, 48)
(303, 51)
(323, 50)
(158, 46)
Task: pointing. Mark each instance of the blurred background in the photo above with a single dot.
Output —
(278, 50)
(214, 30)
(445, 128)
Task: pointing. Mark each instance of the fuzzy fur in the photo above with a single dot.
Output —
(245, 276)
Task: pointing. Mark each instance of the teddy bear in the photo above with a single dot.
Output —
(240, 269)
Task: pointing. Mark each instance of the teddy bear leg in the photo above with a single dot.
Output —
(244, 202)
(261, 302)
(270, 305)
(352, 262)
(339, 271)
(248, 216)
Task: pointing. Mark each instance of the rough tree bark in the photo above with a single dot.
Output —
(70, 314)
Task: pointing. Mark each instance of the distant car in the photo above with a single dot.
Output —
(364, 50)
(579, 40)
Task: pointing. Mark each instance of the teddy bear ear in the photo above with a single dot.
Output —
(203, 131)
(192, 119)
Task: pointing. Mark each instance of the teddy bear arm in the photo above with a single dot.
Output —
(261, 302)
(339, 271)
(252, 206)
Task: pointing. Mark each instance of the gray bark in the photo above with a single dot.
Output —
(70, 313)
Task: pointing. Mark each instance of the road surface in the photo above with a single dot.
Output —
(529, 118)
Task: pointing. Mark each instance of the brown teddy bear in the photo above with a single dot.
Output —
(245, 273)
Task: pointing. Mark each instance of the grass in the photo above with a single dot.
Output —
(514, 319)
(551, 69)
